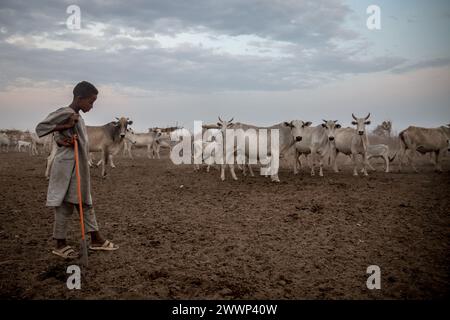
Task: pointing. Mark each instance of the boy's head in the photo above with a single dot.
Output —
(84, 95)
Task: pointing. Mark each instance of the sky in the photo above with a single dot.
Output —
(163, 62)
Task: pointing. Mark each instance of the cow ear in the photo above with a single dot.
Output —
(367, 122)
(338, 126)
(308, 123)
(130, 122)
(354, 123)
(116, 123)
(287, 124)
(324, 125)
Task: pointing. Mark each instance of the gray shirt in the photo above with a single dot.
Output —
(63, 184)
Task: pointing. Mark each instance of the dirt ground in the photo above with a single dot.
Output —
(187, 235)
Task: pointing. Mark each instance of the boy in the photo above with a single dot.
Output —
(62, 188)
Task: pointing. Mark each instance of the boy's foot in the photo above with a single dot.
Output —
(106, 246)
(65, 252)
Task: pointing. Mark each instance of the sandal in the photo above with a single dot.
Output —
(66, 252)
(106, 246)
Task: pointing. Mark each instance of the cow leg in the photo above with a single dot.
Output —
(296, 156)
(105, 157)
(314, 161)
(149, 151)
(411, 159)
(222, 172)
(129, 151)
(365, 163)
(386, 163)
(333, 160)
(156, 148)
(111, 163)
(35, 150)
(233, 174)
(321, 166)
(251, 170)
(439, 155)
(275, 178)
(355, 164)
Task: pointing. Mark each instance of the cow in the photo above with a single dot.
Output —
(129, 140)
(285, 142)
(23, 144)
(313, 140)
(223, 126)
(45, 142)
(350, 141)
(107, 139)
(424, 140)
(142, 140)
(4, 142)
(384, 129)
(379, 151)
(162, 141)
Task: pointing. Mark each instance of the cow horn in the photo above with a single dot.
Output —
(354, 117)
(367, 116)
(220, 119)
(231, 120)
(324, 120)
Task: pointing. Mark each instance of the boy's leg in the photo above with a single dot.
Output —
(91, 225)
(62, 216)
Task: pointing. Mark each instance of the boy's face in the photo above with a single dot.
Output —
(86, 104)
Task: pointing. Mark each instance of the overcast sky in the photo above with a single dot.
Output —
(163, 62)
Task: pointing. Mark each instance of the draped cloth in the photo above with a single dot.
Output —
(63, 184)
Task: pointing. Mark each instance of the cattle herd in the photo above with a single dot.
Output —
(319, 145)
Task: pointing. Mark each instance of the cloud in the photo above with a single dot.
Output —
(187, 46)
(429, 63)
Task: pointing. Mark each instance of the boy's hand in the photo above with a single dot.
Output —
(66, 142)
(72, 121)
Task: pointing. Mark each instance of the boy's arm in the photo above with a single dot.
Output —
(52, 124)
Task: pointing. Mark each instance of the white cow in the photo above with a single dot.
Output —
(23, 145)
(4, 142)
(107, 139)
(142, 140)
(162, 141)
(45, 142)
(352, 142)
(285, 142)
(313, 140)
(129, 139)
(424, 140)
(379, 151)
